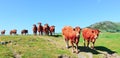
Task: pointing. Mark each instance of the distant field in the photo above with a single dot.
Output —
(51, 47)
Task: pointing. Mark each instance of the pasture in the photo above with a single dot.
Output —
(29, 46)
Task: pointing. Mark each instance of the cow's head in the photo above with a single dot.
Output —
(34, 25)
(77, 29)
(39, 23)
(96, 33)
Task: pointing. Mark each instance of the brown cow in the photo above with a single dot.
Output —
(40, 29)
(3, 32)
(90, 35)
(52, 30)
(46, 29)
(34, 29)
(71, 34)
(14, 31)
(24, 31)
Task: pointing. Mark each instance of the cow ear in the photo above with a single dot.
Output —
(80, 28)
(99, 31)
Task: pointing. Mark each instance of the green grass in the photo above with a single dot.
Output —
(34, 47)
(51, 47)
(110, 41)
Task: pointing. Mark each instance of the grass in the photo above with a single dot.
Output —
(51, 47)
(33, 47)
(110, 41)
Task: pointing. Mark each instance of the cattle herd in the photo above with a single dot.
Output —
(41, 30)
(69, 34)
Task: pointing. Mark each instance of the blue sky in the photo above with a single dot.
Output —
(22, 14)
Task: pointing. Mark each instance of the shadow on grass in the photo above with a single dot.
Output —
(102, 48)
(57, 35)
(94, 51)
(86, 49)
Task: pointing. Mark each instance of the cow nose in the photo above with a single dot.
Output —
(95, 36)
(77, 34)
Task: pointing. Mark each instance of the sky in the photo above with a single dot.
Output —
(22, 14)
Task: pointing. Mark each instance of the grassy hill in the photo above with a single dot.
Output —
(107, 45)
(106, 26)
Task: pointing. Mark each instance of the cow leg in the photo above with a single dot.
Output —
(14, 33)
(92, 45)
(77, 48)
(72, 47)
(93, 42)
(35, 33)
(54, 33)
(45, 33)
(84, 43)
(88, 43)
(48, 33)
(67, 43)
(51, 33)
(41, 33)
(76, 42)
(38, 33)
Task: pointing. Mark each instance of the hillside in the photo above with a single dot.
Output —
(106, 26)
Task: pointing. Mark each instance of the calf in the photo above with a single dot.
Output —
(90, 35)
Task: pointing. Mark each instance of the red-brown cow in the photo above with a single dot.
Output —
(69, 33)
(24, 31)
(90, 35)
(46, 29)
(52, 30)
(3, 32)
(14, 31)
(34, 29)
(40, 29)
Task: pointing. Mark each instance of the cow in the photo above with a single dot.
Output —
(52, 30)
(90, 35)
(72, 35)
(46, 29)
(14, 31)
(3, 32)
(24, 31)
(34, 29)
(40, 28)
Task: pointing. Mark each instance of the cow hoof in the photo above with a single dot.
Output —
(77, 52)
(67, 47)
(92, 48)
(74, 51)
